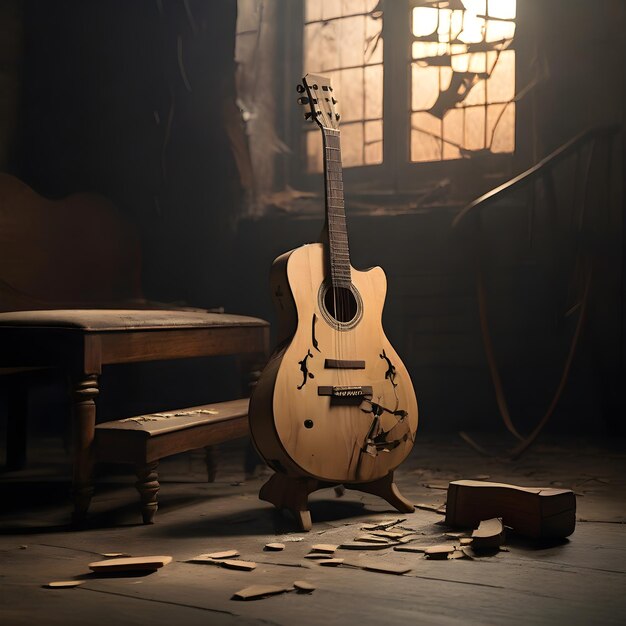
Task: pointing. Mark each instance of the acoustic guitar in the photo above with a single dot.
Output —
(335, 404)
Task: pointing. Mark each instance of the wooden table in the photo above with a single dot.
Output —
(82, 341)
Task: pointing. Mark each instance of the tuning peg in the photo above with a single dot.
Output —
(337, 116)
(303, 100)
(334, 101)
(300, 88)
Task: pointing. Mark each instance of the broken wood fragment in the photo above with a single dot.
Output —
(138, 563)
(488, 535)
(440, 509)
(256, 592)
(372, 539)
(386, 568)
(438, 552)
(324, 547)
(364, 545)
(410, 548)
(318, 556)
(214, 556)
(465, 541)
(383, 524)
(246, 566)
(115, 555)
(389, 534)
(303, 586)
(331, 562)
(457, 554)
(64, 584)
(537, 512)
(274, 547)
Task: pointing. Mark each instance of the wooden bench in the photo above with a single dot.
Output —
(71, 300)
(142, 441)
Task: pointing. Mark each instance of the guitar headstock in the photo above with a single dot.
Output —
(317, 96)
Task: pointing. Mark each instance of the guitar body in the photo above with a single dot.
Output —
(299, 426)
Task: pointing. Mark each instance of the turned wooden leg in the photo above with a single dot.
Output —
(148, 486)
(386, 489)
(83, 431)
(17, 423)
(211, 463)
(285, 492)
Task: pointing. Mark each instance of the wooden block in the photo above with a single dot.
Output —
(274, 547)
(303, 586)
(537, 512)
(133, 564)
(65, 584)
(255, 592)
(389, 534)
(465, 541)
(438, 552)
(372, 539)
(331, 562)
(488, 535)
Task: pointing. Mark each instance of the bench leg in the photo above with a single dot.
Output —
(83, 431)
(148, 487)
(17, 424)
(211, 463)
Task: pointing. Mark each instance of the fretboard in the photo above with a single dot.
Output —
(338, 252)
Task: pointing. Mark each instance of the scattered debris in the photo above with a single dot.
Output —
(398, 570)
(389, 534)
(318, 555)
(455, 535)
(274, 547)
(331, 562)
(372, 539)
(488, 535)
(438, 552)
(457, 554)
(246, 566)
(115, 555)
(439, 484)
(133, 564)
(65, 584)
(466, 541)
(481, 477)
(364, 545)
(23, 547)
(411, 548)
(383, 524)
(256, 592)
(441, 509)
(303, 586)
(324, 547)
(225, 554)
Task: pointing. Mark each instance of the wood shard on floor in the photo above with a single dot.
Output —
(324, 547)
(372, 539)
(410, 548)
(64, 584)
(132, 564)
(318, 555)
(364, 545)
(303, 586)
(383, 568)
(438, 552)
(115, 555)
(225, 554)
(256, 592)
(246, 566)
(331, 562)
(274, 547)
(488, 535)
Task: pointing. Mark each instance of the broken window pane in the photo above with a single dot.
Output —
(462, 78)
(342, 39)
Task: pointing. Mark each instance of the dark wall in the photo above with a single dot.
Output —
(129, 99)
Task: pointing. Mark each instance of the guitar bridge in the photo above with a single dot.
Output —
(354, 392)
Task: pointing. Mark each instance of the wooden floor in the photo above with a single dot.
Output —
(580, 581)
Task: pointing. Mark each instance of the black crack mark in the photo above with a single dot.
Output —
(305, 369)
(391, 370)
(314, 340)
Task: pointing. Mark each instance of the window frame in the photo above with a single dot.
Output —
(397, 173)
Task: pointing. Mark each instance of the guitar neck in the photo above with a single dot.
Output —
(338, 251)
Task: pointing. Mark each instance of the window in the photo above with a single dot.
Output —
(456, 57)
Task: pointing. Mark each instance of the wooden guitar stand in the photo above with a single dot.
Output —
(286, 492)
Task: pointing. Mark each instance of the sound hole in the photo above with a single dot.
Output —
(341, 304)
